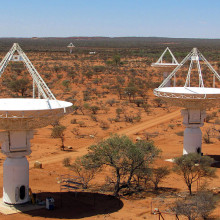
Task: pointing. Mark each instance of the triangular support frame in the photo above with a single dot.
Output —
(43, 90)
(194, 55)
(160, 63)
(71, 46)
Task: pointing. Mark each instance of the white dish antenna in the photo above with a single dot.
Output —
(29, 114)
(43, 90)
(161, 63)
(195, 99)
(71, 46)
(18, 118)
(188, 91)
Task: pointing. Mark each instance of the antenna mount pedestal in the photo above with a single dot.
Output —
(16, 145)
(193, 119)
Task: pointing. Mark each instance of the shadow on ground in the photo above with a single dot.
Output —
(69, 205)
(216, 159)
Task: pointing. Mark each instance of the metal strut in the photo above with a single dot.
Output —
(194, 55)
(43, 89)
(160, 60)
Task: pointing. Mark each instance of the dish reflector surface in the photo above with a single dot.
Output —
(29, 104)
(211, 92)
(28, 114)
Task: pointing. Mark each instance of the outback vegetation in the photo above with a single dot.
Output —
(112, 92)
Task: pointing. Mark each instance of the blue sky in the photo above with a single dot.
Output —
(112, 18)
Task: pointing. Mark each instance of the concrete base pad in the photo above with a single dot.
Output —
(12, 209)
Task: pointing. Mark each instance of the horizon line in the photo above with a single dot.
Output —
(113, 37)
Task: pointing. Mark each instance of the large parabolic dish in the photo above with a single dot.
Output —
(194, 96)
(27, 113)
(189, 97)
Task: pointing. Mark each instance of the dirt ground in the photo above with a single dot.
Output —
(45, 182)
(162, 124)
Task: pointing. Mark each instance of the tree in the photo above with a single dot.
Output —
(130, 91)
(116, 59)
(71, 73)
(88, 74)
(158, 174)
(66, 83)
(186, 207)
(194, 166)
(206, 203)
(118, 112)
(159, 102)
(94, 109)
(124, 157)
(146, 108)
(119, 90)
(207, 135)
(139, 102)
(58, 132)
(19, 85)
(83, 168)
(199, 205)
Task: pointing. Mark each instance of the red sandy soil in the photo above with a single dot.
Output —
(44, 181)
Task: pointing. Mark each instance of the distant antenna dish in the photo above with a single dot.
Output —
(167, 67)
(160, 62)
(71, 46)
(194, 98)
(19, 117)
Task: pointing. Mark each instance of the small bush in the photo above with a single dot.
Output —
(59, 76)
(66, 83)
(171, 126)
(206, 138)
(208, 118)
(146, 107)
(73, 121)
(98, 69)
(81, 124)
(104, 125)
(94, 118)
(94, 109)
(66, 161)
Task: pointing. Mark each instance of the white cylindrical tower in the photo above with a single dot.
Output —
(16, 180)
(194, 96)
(193, 119)
(16, 145)
(192, 142)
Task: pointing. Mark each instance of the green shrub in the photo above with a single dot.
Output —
(66, 161)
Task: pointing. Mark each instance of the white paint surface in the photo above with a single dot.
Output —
(192, 140)
(190, 90)
(28, 104)
(15, 175)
